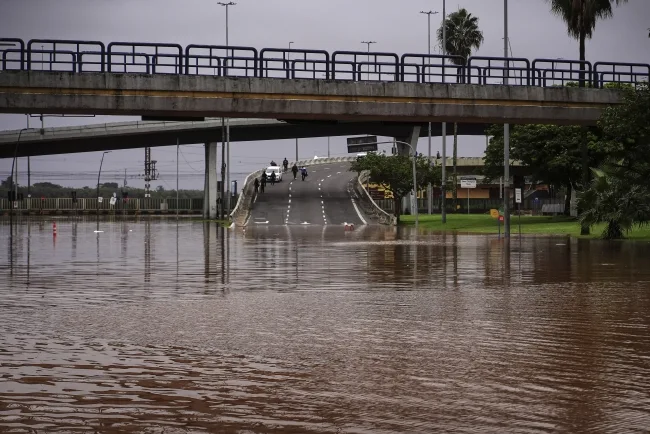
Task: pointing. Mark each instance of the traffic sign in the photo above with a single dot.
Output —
(517, 195)
(494, 213)
(467, 182)
(501, 218)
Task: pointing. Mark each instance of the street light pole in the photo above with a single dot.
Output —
(429, 189)
(368, 43)
(443, 187)
(226, 200)
(506, 133)
(99, 174)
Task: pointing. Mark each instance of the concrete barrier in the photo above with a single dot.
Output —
(374, 209)
(240, 212)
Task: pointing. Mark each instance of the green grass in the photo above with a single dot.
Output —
(541, 225)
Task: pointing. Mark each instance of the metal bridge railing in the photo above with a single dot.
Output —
(234, 61)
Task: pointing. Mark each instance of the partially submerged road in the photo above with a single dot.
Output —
(322, 199)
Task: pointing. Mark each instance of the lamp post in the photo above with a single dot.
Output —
(226, 200)
(99, 174)
(429, 190)
(443, 186)
(288, 67)
(368, 43)
(506, 133)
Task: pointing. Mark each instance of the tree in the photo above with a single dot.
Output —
(620, 192)
(395, 173)
(462, 37)
(550, 153)
(613, 200)
(7, 183)
(581, 17)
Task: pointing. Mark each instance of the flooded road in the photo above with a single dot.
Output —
(153, 326)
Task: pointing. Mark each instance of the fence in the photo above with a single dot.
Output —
(91, 205)
(480, 206)
(232, 61)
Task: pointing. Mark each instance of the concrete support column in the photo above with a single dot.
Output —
(402, 149)
(210, 185)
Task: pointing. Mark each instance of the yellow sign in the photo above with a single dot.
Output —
(494, 213)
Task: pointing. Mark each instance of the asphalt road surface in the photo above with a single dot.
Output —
(322, 199)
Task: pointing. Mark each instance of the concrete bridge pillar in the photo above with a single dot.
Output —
(210, 187)
(409, 202)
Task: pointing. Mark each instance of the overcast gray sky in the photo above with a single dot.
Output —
(332, 25)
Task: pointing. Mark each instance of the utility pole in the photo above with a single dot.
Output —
(328, 147)
(29, 171)
(443, 188)
(368, 43)
(226, 200)
(429, 189)
(506, 133)
(178, 148)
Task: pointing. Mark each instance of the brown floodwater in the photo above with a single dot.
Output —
(153, 326)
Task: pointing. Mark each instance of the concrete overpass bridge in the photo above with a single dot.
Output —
(89, 77)
(130, 135)
(167, 80)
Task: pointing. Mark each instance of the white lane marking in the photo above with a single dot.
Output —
(322, 180)
(329, 176)
(322, 202)
(338, 173)
(289, 206)
(289, 200)
(305, 223)
(262, 223)
(358, 212)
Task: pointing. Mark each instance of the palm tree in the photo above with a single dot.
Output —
(463, 36)
(581, 17)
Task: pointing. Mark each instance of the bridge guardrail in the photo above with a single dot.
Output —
(232, 61)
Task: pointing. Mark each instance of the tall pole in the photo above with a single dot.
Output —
(226, 200)
(506, 133)
(296, 149)
(29, 171)
(429, 189)
(444, 124)
(178, 147)
(222, 190)
(368, 43)
(328, 147)
(99, 174)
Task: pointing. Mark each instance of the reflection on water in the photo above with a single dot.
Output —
(189, 327)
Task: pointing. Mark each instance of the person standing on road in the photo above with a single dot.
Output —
(257, 185)
(263, 183)
(303, 172)
(273, 178)
(285, 164)
(294, 170)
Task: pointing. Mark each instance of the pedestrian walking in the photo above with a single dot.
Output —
(294, 170)
(257, 185)
(303, 172)
(263, 183)
(285, 164)
(273, 178)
